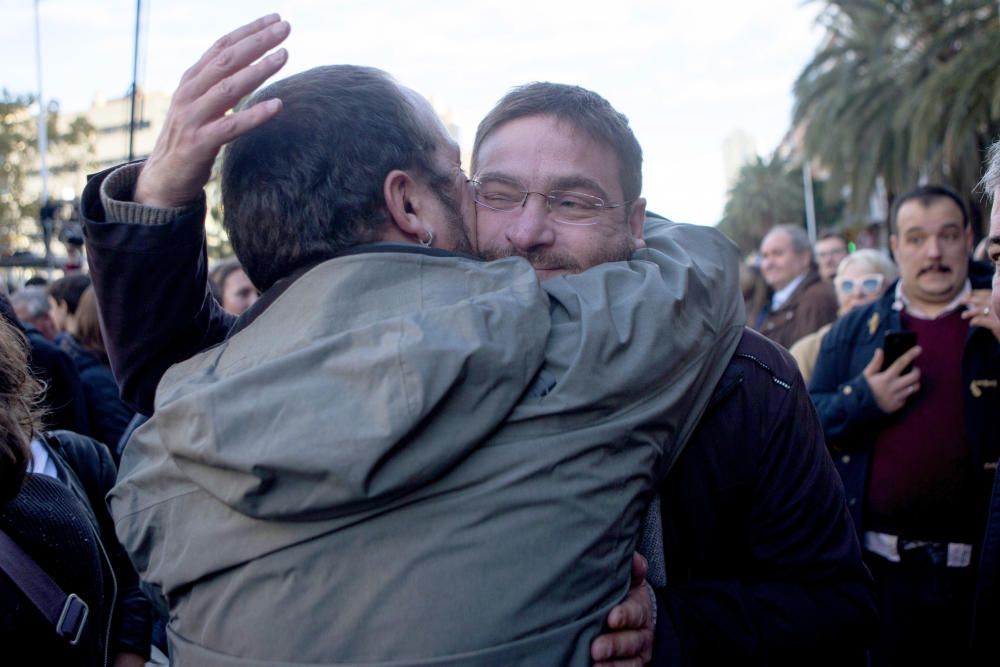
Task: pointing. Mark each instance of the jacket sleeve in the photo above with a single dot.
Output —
(149, 268)
(843, 399)
(793, 588)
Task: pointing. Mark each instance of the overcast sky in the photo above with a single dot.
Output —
(686, 74)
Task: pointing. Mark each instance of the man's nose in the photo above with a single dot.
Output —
(933, 246)
(530, 226)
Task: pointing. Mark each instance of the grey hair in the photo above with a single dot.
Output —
(800, 241)
(870, 260)
(991, 179)
(34, 299)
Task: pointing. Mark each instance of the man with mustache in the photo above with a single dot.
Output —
(400, 454)
(916, 441)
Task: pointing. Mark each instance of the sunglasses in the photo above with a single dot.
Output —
(868, 285)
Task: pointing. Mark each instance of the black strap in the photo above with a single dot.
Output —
(66, 613)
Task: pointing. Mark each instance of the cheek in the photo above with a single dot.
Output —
(996, 293)
(489, 227)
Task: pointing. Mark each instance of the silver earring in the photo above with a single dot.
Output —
(429, 240)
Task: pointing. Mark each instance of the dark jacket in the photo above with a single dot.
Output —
(763, 564)
(63, 398)
(85, 466)
(49, 522)
(811, 305)
(108, 415)
(852, 419)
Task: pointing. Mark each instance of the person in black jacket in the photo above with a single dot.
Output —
(108, 415)
(62, 397)
(54, 486)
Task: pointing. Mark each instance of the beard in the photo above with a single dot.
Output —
(614, 247)
(458, 234)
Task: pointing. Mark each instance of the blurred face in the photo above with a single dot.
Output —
(828, 253)
(993, 249)
(541, 154)
(856, 286)
(780, 264)
(932, 249)
(59, 313)
(238, 293)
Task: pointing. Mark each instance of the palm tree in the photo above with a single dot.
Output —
(902, 91)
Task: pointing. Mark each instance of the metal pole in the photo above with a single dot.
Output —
(807, 185)
(43, 141)
(135, 76)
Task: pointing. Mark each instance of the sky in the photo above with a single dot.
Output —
(686, 74)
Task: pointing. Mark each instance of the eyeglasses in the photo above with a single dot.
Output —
(868, 284)
(569, 208)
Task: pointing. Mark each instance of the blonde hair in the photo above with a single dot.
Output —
(871, 260)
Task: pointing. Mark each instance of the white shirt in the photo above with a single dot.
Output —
(41, 463)
(782, 295)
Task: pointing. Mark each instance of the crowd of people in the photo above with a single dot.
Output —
(609, 443)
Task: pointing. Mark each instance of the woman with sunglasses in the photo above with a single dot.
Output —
(862, 277)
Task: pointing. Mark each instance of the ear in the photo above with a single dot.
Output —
(894, 246)
(636, 223)
(404, 199)
(970, 239)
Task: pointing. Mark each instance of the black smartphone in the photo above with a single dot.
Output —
(895, 345)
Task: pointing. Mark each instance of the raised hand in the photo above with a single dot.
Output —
(197, 123)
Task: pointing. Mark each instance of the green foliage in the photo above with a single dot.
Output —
(19, 158)
(769, 193)
(902, 90)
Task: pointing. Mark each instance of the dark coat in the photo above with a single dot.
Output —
(52, 525)
(63, 398)
(852, 419)
(812, 305)
(107, 413)
(85, 466)
(763, 564)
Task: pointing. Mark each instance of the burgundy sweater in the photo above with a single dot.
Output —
(921, 485)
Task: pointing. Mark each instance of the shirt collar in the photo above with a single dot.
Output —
(903, 303)
(782, 295)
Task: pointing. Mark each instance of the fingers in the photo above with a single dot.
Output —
(639, 569)
(229, 127)
(875, 365)
(629, 615)
(227, 92)
(620, 648)
(904, 360)
(226, 41)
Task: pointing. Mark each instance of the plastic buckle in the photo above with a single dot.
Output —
(73, 619)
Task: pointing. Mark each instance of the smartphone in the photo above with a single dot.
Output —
(896, 344)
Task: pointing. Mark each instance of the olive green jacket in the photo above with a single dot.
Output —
(412, 459)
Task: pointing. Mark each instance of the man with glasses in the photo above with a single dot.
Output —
(574, 216)
(829, 249)
(751, 552)
(400, 454)
(916, 439)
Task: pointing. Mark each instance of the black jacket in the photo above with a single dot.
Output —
(763, 565)
(85, 466)
(107, 413)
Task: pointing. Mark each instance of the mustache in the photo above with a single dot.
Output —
(935, 268)
(535, 257)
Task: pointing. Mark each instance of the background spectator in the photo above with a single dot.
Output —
(801, 302)
(64, 296)
(31, 304)
(829, 250)
(862, 277)
(231, 287)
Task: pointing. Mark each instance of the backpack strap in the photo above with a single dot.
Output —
(66, 613)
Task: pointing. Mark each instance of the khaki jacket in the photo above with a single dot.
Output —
(412, 459)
